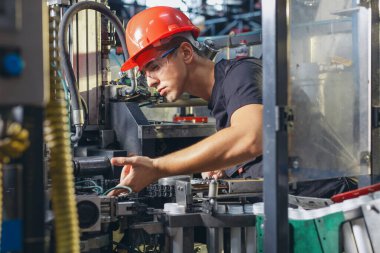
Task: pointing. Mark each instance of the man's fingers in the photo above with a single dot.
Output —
(111, 193)
(120, 161)
(117, 192)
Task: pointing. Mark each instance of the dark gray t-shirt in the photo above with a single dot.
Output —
(238, 83)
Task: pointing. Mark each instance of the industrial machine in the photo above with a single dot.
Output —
(56, 141)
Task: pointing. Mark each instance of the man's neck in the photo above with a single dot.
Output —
(201, 79)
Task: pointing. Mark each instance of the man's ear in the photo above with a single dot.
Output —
(187, 52)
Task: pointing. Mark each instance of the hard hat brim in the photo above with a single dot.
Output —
(129, 64)
(141, 59)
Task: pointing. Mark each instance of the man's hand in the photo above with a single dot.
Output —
(137, 173)
(216, 174)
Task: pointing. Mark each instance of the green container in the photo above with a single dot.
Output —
(319, 235)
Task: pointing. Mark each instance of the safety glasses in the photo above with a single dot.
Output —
(154, 67)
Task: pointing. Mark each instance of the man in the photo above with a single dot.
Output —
(162, 44)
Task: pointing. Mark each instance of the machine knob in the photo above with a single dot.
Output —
(12, 65)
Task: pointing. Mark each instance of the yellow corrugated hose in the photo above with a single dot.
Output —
(14, 143)
(57, 137)
(61, 172)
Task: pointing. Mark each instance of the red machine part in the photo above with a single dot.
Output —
(192, 119)
(355, 193)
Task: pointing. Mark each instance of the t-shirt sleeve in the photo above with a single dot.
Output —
(243, 86)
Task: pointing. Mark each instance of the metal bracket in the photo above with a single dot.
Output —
(365, 158)
(285, 118)
(183, 193)
(375, 116)
(59, 2)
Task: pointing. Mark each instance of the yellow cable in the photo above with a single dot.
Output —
(57, 138)
(61, 171)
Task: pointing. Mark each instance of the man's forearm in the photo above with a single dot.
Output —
(224, 149)
(236, 144)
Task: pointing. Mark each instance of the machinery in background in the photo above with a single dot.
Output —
(214, 17)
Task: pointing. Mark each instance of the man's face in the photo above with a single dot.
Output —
(165, 75)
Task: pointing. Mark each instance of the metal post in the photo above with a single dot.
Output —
(182, 239)
(188, 240)
(214, 240)
(275, 78)
(375, 91)
(250, 239)
(236, 245)
(34, 207)
(361, 63)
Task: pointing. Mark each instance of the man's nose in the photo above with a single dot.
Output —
(152, 82)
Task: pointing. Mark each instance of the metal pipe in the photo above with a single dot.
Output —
(92, 166)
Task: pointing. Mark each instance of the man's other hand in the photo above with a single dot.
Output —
(216, 174)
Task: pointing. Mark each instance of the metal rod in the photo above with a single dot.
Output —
(87, 64)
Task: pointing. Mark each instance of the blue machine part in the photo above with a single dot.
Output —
(11, 236)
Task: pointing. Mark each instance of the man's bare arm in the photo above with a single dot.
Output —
(233, 145)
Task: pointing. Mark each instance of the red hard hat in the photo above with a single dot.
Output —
(150, 26)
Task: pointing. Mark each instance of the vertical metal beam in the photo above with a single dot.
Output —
(361, 36)
(236, 245)
(375, 91)
(275, 78)
(215, 240)
(182, 239)
(250, 239)
(188, 240)
(361, 61)
(34, 207)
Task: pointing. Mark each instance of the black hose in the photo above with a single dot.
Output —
(63, 50)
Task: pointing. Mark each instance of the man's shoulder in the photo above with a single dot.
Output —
(243, 66)
(246, 61)
(246, 64)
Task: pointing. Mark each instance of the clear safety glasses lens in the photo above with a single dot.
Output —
(155, 66)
